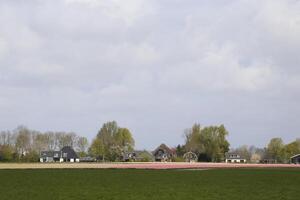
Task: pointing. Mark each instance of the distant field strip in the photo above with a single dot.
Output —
(138, 165)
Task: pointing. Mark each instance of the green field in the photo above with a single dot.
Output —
(125, 184)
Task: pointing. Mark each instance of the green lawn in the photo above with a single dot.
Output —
(120, 184)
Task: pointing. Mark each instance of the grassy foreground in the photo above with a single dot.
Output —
(64, 184)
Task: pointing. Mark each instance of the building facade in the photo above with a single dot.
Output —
(66, 154)
(234, 158)
(295, 159)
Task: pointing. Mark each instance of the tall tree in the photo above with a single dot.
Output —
(40, 142)
(193, 140)
(115, 140)
(82, 145)
(23, 140)
(6, 138)
(124, 139)
(97, 149)
(208, 141)
(290, 150)
(6, 153)
(245, 152)
(275, 149)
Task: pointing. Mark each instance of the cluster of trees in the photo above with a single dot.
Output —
(209, 143)
(25, 145)
(111, 142)
(275, 151)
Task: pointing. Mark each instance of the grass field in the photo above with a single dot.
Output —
(122, 184)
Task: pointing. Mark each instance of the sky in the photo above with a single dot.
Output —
(155, 66)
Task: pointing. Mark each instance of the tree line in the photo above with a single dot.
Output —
(276, 151)
(25, 145)
(209, 143)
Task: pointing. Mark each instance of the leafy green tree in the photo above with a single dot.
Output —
(275, 149)
(115, 140)
(123, 138)
(6, 153)
(290, 150)
(146, 156)
(97, 148)
(106, 136)
(30, 156)
(208, 142)
(193, 140)
(180, 150)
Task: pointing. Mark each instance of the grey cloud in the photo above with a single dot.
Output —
(155, 66)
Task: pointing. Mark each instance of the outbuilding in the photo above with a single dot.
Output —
(295, 159)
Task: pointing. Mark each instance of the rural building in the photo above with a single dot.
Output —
(190, 157)
(295, 159)
(138, 156)
(269, 161)
(234, 158)
(163, 153)
(87, 159)
(66, 154)
(51, 156)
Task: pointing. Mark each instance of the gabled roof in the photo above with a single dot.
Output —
(69, 152)
(234, 155)
(295, 156)
(163, 147)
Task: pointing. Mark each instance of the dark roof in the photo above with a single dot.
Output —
(164, 148)
(295, 156)
(233, 155)
(68, 152)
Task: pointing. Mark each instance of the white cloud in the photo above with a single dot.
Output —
(149, 64)
(129, 10)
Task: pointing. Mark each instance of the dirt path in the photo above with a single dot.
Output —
(138, 165)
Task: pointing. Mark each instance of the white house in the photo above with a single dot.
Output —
(234, 158)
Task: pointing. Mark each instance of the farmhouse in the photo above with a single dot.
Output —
(66, 154)
(295, 159)
(163, 153)
(234, 158)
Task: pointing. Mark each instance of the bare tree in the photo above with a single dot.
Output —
(6, 138)
(23, 140)
(82, 145)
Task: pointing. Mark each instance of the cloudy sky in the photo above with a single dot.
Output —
(154, 66)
